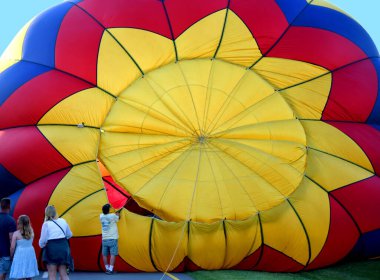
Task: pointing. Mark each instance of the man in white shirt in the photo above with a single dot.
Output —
(110, 237)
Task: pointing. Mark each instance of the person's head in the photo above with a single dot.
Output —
(50, 213)
(24, 226)
(5, 204)
(106, 208)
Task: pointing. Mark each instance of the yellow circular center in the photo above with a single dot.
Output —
(204, 140)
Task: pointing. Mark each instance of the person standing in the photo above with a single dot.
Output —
(110, 236)
(24, 263)
(56, 251)
(7, 228)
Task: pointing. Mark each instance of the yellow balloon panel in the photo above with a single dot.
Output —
(134, 232)
(243, 239)
(308, 100)
(77, 145)
(13, 52)
(169, 244)
(207, 245)
(313, 206)
(282, 177)
(202, 38)
(78, 198)
(284, 73)
(238, 45)
(326, 138)
(77, 109)
(148, 49)
(116, 70)
(283, 231)
(272, 108)
(331, 172)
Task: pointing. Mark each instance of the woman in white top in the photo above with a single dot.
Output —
(56, 253)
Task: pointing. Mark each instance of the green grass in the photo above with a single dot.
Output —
(348, 271)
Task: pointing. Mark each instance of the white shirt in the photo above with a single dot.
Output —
(51, 231)
(109, 226)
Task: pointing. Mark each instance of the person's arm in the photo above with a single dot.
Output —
(13, 244)
(43, 238)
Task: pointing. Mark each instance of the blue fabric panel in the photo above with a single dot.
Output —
(17, 75)
(374, 118)
(8, 183)
(14, 198)
(337, 22)
(368, 246)
(40, 39)
(291, 9)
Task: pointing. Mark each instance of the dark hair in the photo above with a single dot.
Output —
(5, 203)
(106, 208)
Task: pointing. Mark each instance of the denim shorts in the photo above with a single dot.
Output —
(5, 264)
(109, 247)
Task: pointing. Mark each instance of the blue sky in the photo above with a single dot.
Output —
(15, 13)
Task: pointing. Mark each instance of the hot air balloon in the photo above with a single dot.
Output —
(237, 134)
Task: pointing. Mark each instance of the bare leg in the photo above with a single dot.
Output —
(105, 261)
(52, 271)
(112, 260)
(62, 272)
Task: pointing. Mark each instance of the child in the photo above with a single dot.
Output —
(110, 236)
(24, 264)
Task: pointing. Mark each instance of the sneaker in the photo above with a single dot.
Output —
(108, 271)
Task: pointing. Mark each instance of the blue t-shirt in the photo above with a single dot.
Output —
(7, 225)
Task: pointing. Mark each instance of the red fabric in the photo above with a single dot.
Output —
(185, 13)
(34, 199)
(190, 266)
(85, 251)
(77, 45)
(264, 18)
(117, 196)
(353, 93)
(367, 137)
(248, 263)
(28, 104)
(275, 261)
(320, 47)
(341, 238)
(27, 154)
(142, 14)
(362, 200)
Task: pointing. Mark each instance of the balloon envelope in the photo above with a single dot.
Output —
(235, 134)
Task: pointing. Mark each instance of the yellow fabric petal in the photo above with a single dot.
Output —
(89, 106)
(13, 52)
(283, 231)
(207, 246)
(283, 73)
(331, 172)
(77, 145)
(238, 45)
(116, 70)
(308, 100)
(243, 238)
(169, 244)
(313, 206)
(202, 38)
(134, 244)
(78, 199)
(324, 137)
(148, 49)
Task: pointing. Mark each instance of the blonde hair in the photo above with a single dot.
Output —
(50, 213)
(24, 226)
